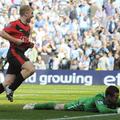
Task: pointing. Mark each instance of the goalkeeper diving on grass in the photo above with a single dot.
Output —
(107, 102)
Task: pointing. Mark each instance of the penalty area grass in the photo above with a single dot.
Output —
(50, 93)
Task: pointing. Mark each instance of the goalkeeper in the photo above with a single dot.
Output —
(103, 103)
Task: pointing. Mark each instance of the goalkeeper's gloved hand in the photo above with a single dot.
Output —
(29, 106)
(118, 110)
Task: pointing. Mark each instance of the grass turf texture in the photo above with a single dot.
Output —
(49, 93)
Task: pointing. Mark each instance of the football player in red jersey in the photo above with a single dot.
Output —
(20, 68)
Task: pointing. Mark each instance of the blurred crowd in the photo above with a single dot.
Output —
(69, 34)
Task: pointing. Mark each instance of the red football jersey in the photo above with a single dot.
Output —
(21, 31)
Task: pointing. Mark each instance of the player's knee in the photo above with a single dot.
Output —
(29, 67)
(32, 70)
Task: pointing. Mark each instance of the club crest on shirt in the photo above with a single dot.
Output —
(100, 102)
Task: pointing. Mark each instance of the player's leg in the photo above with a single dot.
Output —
(2, 64)
(9, 78)
(23, 68)
(1, 88)
(27, 70)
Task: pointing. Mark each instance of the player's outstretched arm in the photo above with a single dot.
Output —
(44, 106)
(29, 106)
(102, 108)
(8, 37)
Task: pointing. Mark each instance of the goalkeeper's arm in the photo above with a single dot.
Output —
(44, 106)
(102, 108)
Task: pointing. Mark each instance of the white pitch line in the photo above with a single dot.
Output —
(88, 116)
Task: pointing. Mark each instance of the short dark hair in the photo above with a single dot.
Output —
(111, 90)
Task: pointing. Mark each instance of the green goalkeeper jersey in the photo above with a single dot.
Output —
(93, 104)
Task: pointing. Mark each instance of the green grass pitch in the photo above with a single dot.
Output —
(50, 93)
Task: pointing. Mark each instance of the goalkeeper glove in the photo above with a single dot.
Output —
(28, 106)
(118, 110)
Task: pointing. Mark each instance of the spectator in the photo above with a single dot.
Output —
(103, 63)
(74, 64)
(111, 60)
(64, 29)
(39, 63)
(84, 63)
(117, 61)
(64, 64)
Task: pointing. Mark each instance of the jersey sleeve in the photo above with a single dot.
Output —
(74, 105)
(102, 108)
(10, 28)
